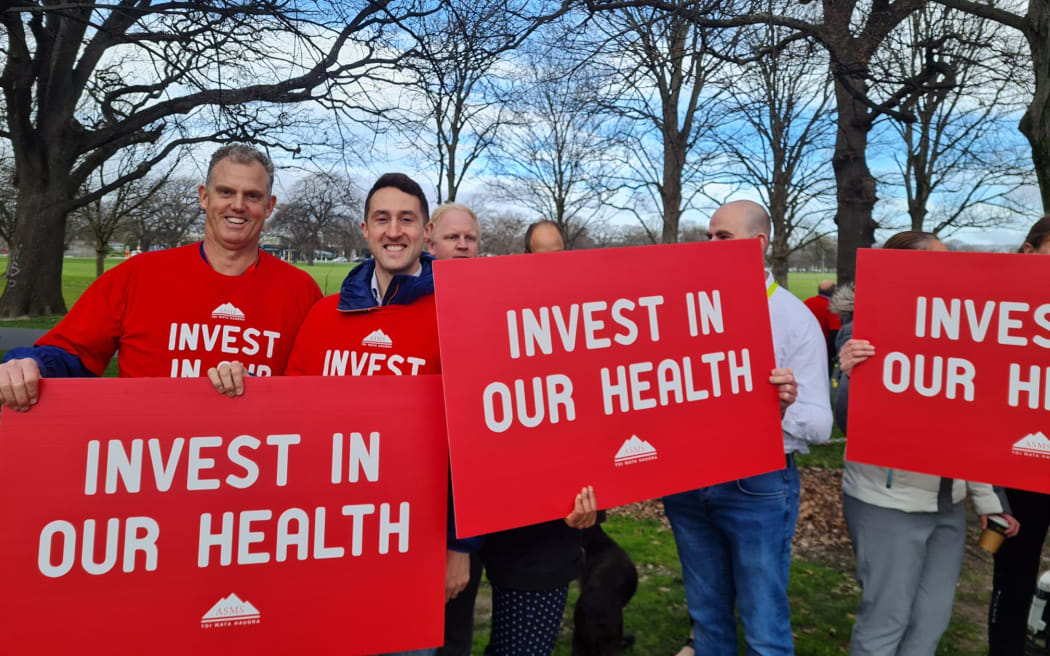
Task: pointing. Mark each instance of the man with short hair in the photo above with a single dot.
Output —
(383, 320)
(453, 232)
(544, 237)
(187, 310)
(734, 539)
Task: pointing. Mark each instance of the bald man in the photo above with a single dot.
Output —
(734, 539)
(544, 237)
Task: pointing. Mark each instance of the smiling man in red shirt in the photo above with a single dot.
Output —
(183, 311)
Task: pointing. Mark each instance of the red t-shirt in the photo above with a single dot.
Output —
(387, 340)
(171, 315)
(828, 320)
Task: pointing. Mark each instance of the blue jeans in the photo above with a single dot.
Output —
(734, 541)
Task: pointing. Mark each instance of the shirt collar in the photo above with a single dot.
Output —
(375, 282)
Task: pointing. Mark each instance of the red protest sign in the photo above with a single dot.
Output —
(640, 371)
(156, 516)
(958, 386)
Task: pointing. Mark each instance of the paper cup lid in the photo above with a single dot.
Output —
(999, 519)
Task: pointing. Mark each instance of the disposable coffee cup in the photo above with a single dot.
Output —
(992, 537)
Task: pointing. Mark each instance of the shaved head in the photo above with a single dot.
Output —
(826, 286)
(747, 215)
(740, 219)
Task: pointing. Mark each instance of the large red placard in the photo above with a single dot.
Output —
(651, 365)
(230, 557)
(958, 386)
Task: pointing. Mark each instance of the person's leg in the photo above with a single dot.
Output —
(932, 608)
(1016, 572)
(525, 623)
(706, 572)
(459, 615)
(890, 547)
(758, 515)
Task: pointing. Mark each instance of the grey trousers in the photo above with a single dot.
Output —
(907, 565)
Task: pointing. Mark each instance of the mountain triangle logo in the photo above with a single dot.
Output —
(633, 451)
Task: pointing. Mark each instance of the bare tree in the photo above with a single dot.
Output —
(553, 158)
(661, 61)
(457, 91)
(8, 198)
(1034, 26)
(319, 204)
(104, 216)
(167, 218)
(82, 81)
(502, 231)
(779, 137)
(958, 168)
(852, 33)
(345, 236)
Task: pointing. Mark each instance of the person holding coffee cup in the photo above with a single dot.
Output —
(908, 529)
(1017, 562)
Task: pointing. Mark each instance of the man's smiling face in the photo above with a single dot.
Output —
(393, 229)
(236, 201)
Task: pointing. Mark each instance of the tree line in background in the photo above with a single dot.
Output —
(620, 120)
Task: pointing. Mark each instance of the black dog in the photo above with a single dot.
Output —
(609, 581)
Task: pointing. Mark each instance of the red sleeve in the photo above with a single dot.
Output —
(92, 328)
(834, 321)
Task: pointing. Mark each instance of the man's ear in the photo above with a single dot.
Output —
(763, 239)
(1027, 248)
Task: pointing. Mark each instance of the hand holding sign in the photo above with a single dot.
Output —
(584, 511)
(853, 352)
(787, 388)
(228, 378)
(963, 354)
(19, 381)
(625, 379)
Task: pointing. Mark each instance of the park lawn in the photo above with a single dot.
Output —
(823, 602)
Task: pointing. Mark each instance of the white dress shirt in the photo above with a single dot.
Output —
(799, 345)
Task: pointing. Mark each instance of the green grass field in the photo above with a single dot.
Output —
(824, 599)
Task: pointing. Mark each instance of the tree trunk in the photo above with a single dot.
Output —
(779, 261)
(100, 259)
(1035, 124)
(855, 186)
(34, 273)
(778, 202)
(671, 184)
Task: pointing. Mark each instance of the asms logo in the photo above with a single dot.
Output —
(227, 311)
(377, 338)
(633, 451)
(230, 611)
(1033, 445)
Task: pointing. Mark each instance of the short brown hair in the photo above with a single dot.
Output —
(910, 240)
(1038, 234)
(241, 154)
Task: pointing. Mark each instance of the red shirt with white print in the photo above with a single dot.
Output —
(386, 340)
(171, 315)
